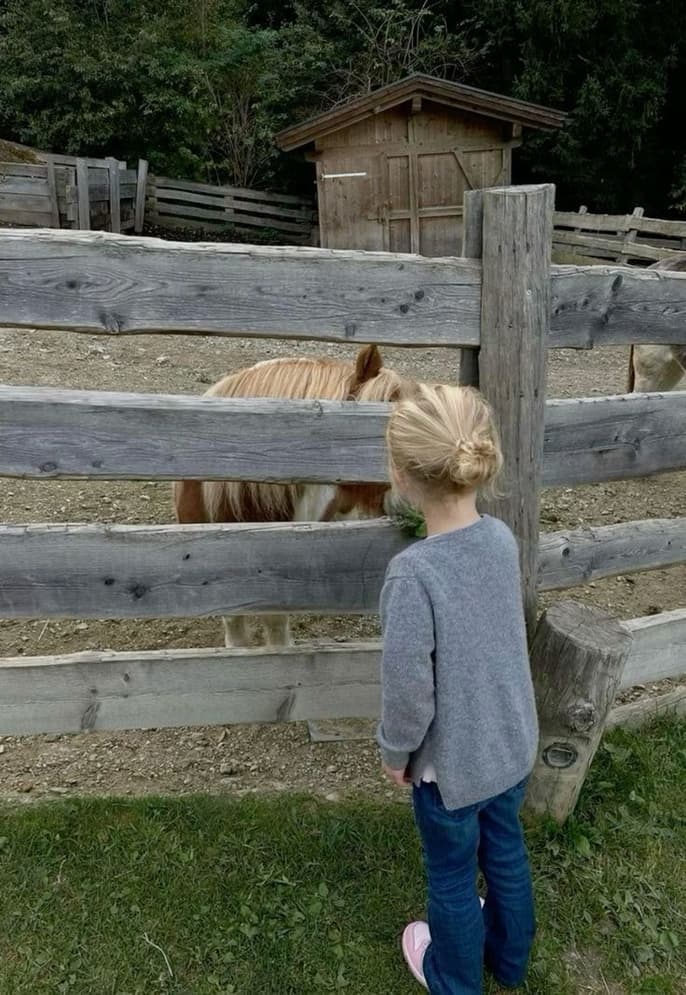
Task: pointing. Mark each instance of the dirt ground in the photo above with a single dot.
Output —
(241, 759)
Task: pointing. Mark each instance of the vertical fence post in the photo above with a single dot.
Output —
(515, 320)
(577, 658)
(83, 195)
(141, 183)
(115, 194)
(472, 243)
(629, 238)
(52, 193)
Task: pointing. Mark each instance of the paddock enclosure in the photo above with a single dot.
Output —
(104, 285)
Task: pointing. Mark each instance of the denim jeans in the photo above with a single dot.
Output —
(456, 844)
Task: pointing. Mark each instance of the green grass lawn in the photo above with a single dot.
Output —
(290, 896)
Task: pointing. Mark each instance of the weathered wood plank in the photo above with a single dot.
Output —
(635, 714)
(167, 210)
(639, 250)
(619, 223)
(591, 439)
(17, 216)
(48, 432)
(472, 248)
(25, 202)
(97, 571)
(97, 282)
(613, 305)
(659, 648)
(52, 192)
(20, 169)
(578, 556)
(259, 195)
(115, 196)
(141, 187)
(577, 658)
(83, 194)
(515, 316)
(168, 688)
(20, 186)
(217, 199)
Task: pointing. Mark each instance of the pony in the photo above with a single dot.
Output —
(195, 501)
(658, 367)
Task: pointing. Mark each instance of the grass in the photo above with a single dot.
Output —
(290, 896)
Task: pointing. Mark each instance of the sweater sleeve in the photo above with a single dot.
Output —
(407, 669)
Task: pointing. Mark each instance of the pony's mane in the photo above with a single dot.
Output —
(303, 378)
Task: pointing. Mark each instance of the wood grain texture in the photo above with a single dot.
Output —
(659, 648)
(577, 658)
(115, 196)
(639, 250)
(83, 194)
(616, 305)
(578, 556)
(57, 433)
(591, 439)
(110, 571)
(472, 248)
(635, 714)
(515, 317)
(98, 282)
(243, 192)
(168, 688)
(620, 223)
(141, 188)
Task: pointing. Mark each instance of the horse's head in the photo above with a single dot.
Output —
(371, 381)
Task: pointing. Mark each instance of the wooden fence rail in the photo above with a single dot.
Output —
(100, 283)
(167, 688)
(50, 433)
(142, 571)
(183, 204)
(618, 237)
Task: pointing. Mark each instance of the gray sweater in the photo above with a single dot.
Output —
(457, 691)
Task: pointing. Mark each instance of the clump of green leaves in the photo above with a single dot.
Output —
(409, 520)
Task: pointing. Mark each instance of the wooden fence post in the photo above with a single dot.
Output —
(629, 238)
(141, 184)
(515, 320)
(577, 659)
(52, 191)
(83, 195)
(115, 194)
(472, 243)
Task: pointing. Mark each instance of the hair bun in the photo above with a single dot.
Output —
(473, 462)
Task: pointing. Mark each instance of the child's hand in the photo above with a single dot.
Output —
(398, 777)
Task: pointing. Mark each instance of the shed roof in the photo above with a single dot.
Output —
(454, 95)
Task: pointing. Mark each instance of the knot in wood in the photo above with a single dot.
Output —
(581, 716)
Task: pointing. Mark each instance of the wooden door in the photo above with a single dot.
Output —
(425, 191)
(350, 198)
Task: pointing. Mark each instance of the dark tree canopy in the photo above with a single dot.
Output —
(200, 88)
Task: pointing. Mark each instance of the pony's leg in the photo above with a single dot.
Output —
(277, 630)
(236, 631)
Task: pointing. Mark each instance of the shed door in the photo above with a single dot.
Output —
(350, 201)
(425, 192)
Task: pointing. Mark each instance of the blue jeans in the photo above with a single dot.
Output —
(456, 844)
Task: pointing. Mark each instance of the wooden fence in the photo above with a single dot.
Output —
(103, 284)
(621, 238)
(69, 192)
(183, 204)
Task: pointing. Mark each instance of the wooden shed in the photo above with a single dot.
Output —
(392, 165)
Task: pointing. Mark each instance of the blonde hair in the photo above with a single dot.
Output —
(444, 440)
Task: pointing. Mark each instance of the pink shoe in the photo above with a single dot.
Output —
(416, 938)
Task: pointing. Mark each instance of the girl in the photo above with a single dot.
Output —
(458, 715)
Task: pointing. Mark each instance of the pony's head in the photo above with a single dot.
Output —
(371, 381)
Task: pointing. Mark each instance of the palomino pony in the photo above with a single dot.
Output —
(243, 501)
(658, 367)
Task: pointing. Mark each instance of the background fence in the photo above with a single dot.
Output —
(621, 238)
(182, 204)
(115, 286)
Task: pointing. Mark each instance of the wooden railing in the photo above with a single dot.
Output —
(621, 238)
